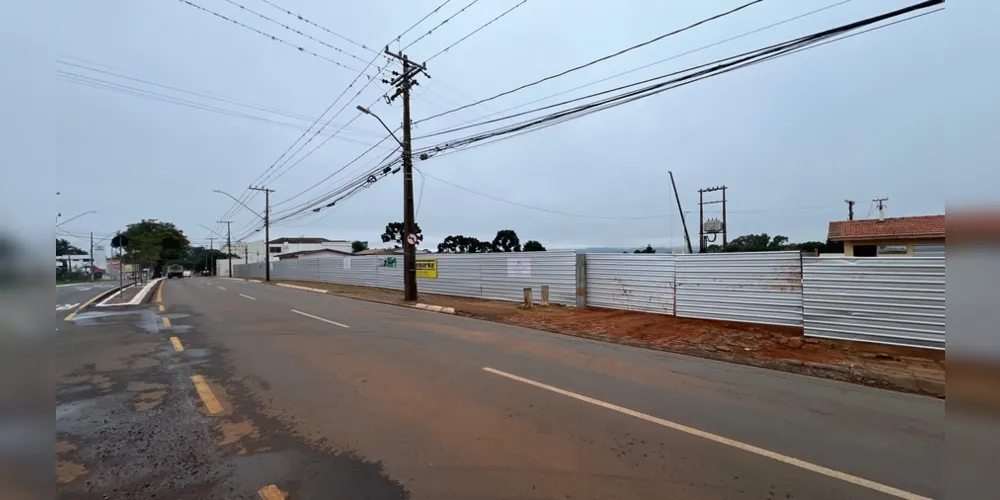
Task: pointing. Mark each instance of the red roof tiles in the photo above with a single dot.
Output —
(926, 226)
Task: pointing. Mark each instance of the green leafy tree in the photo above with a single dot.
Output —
(533, 246)
(394, 233)
(648, 249)
(359, 246)
(152, 242)
(506, 240)
(757, 243)
(64, 247)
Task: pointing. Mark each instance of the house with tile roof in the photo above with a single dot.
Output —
(891, 236)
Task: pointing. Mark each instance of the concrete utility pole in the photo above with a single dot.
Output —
(702, 247)
(229, 244)
(404, 82)
(91, 256)
(677, 197)
(850, 209)
(208, 257)
(267, 230)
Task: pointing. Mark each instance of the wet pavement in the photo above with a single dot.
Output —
(284, 393)
(130, 426)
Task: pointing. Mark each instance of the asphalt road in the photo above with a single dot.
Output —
(321, 397)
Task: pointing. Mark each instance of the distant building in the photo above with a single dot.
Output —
(254, 251)
(894, 236)
(313, 254)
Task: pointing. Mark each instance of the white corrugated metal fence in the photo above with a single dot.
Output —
(633, 282)
(897, 301)
(752, 287)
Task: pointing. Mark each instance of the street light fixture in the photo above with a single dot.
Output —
(71, 219)
(386, 127)
(238, 201)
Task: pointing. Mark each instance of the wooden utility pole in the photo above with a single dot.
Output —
(229, 244)
(850, 209)
(403, 82)
(267, 230)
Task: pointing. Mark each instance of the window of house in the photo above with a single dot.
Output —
(275, 249)
(866, 250)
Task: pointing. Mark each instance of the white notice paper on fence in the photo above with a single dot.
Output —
(519, 267)
(347, 263)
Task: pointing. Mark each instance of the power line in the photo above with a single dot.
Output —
(541, 209)
(267, 35)
(598, 60)
(293, 30)
(736, 62)
(422, 19)
(661, 61)
(442, 23)
(302, 18)
(118, 88)
(460, 40)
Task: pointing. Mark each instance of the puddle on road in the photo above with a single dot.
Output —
(150, 399)
(144, 386)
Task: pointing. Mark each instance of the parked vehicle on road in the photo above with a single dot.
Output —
(187, 273)
(175, 271)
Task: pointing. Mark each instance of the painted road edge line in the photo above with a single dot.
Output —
(255, 281)
(819, 469)
(221, 288)
(271, 492)
(177, 343)
(319, 318)
(72, 315)
(247, 297)
(211, 404)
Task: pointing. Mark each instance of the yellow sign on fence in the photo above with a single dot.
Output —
(427, 268)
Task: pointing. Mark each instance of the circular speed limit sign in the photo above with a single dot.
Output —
(411, 238)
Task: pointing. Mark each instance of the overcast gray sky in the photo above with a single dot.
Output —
(895, 113)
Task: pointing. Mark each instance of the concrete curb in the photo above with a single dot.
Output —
(433, 308)
(317, 290)
(254, 281)
(139, 297)
(234, 279)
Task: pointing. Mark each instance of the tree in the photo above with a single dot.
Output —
(757, 243)
(506, 240)
(394, 233)
(201, 258)
(463, 244)
(648, 249)
(533, 246)
(64, 247)
(154, 242)
(359, 246)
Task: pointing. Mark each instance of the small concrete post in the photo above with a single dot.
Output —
(545, 295)
(581, 280)
(527, 298)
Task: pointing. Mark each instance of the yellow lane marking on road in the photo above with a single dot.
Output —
(160, 307)
(272, 492)
(819, 469)
(159, 293)
(211, 404)
(166, 322)
(85, 304)
(177, 343)
(319, 318)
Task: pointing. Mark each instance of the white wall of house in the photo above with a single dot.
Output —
(253, 251)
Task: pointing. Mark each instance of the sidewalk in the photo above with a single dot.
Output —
(906, 369)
